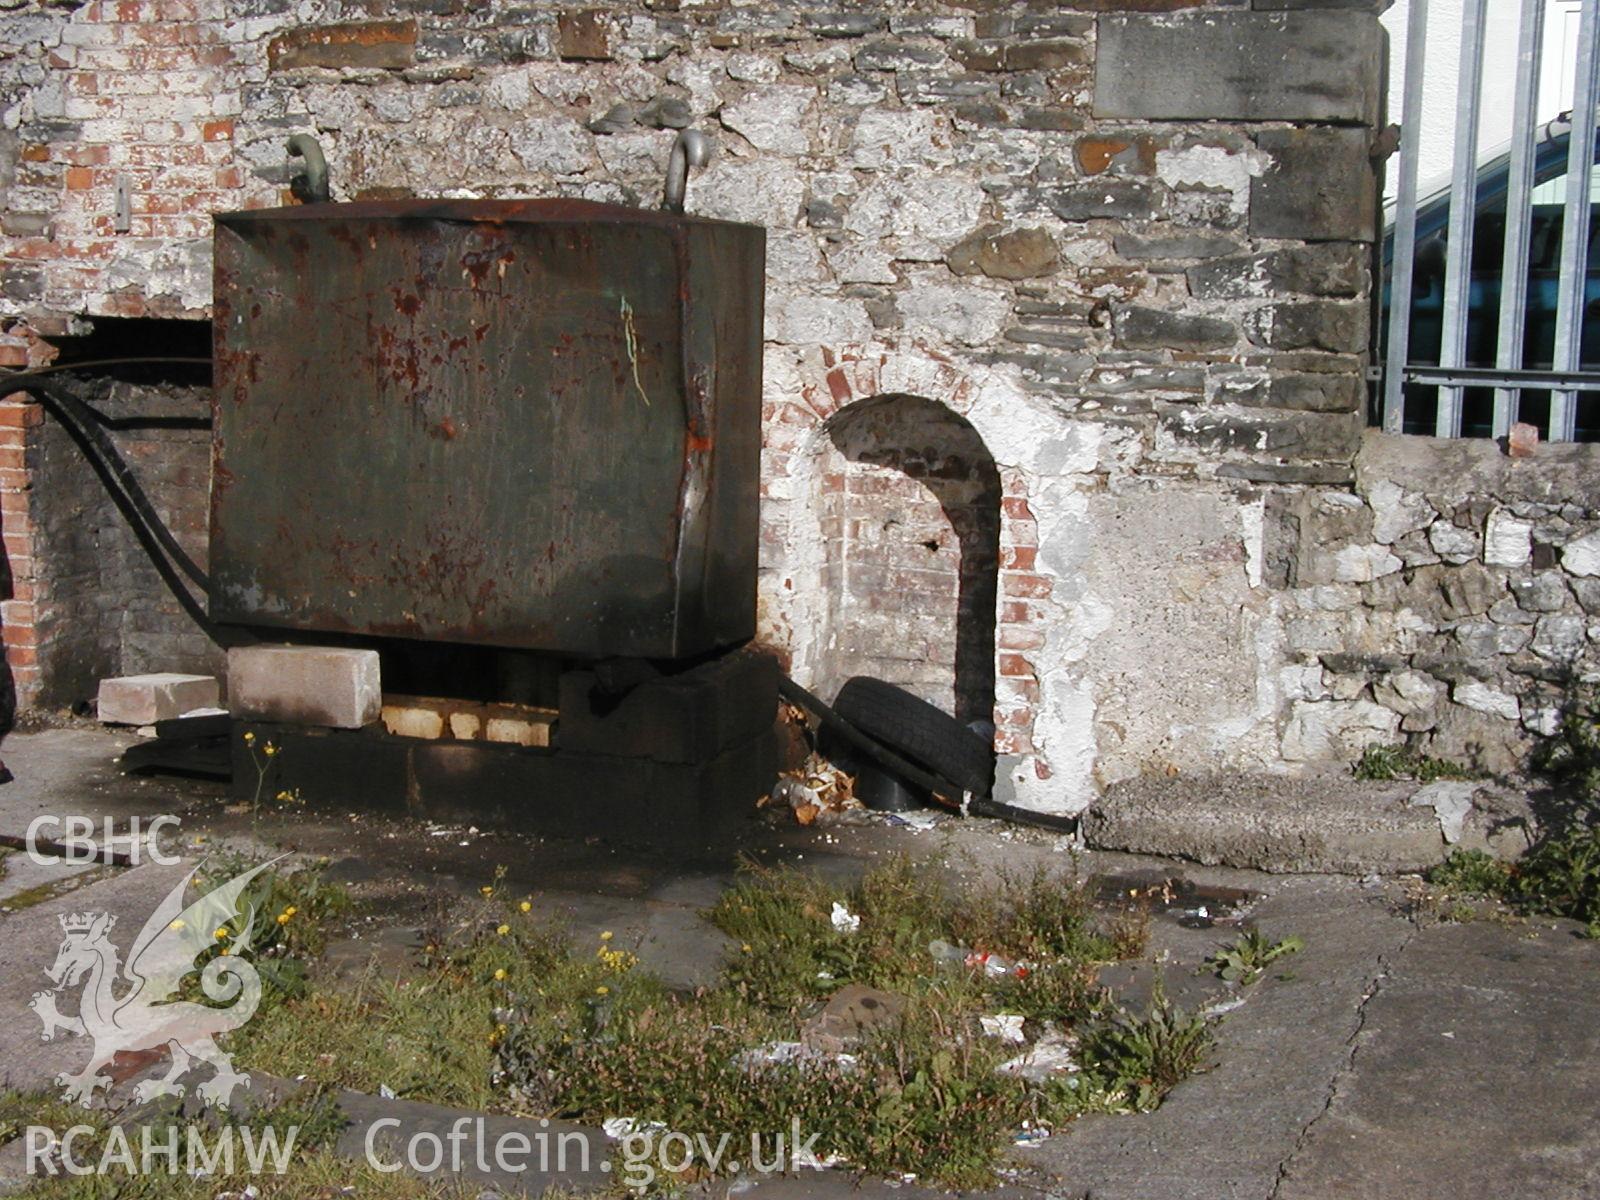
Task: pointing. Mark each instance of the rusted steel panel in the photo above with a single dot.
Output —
(515, 423)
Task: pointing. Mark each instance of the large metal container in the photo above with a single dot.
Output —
(532, 424)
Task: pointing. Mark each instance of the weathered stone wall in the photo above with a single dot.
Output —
(1450, 600)
(1126, 243)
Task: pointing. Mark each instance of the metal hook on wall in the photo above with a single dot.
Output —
(691, 149)
(311, 186)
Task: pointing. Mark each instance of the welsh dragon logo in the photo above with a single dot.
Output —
(147, 1014)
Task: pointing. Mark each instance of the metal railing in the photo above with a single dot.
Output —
(1564, 378)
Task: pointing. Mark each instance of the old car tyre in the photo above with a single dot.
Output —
(913, 727)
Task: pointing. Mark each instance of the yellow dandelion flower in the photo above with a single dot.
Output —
(602, 990)
(745, 947)
(249, 738)
(283, 918)
(606, 936)
(222, 932)
(291, 910)
(486, 890)
(525, 906)
(503, 930)
(269, 749)
(500, 974)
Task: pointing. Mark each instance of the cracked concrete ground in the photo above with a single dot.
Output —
(1388, 1058)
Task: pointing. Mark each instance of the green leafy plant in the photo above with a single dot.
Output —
(1248, 958)
(1382, 764)
(1143, 1058)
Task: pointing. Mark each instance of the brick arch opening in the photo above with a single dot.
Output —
(908, 499)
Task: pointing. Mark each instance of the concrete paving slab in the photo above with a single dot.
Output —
(1473, 1074)
(1226, 1133)
(29, 939)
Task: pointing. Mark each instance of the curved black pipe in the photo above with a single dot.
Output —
(79, 420)
(977, 806)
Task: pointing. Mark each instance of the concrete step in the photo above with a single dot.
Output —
(1329, 823)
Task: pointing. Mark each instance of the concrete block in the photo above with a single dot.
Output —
(305, 685)
(430, 718)
(1247, 66)
(685, 718)
(146, 699)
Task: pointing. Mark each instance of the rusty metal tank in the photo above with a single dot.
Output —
(529, 424)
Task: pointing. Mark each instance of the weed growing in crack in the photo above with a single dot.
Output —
(1247, 959)
(1143, 1058)
(1382, 764)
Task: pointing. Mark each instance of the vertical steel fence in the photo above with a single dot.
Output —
(1486, 345)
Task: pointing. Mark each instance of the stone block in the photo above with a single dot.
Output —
(1544, 592)
(1158, 329)
(371, 44)
(1396, 511)
(305, 685)
(1581, 556)
(146, 699)
(1119, 199)
(584, 35)
(1246, 66)
(1480, 697)
(1332, 325)
(430, 718)
(1302, 435)
(1003, 254)
(1507, 540)
(1320, 187)
(1317, 270)
(1174, 246)
(1322, 393)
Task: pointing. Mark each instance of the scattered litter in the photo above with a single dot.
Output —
(1005, 1026)
(844, 920)
(617, 1128)
(920, 821)
(1053, 1054)
(387, 1092)
(1220, 1007)
(791, 1054)
(1448, 1033)
(947, 952)
(995, 965)
(1030, 1134)
(819, 793)
(803, 1157)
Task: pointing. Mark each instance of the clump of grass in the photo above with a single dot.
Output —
(1141, 1059)
(288, 915)
(1248, 958)
(1559, 877)
(1382, 764)
(517, 1015)
(789, 951)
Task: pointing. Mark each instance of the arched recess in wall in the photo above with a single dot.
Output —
(907, 497)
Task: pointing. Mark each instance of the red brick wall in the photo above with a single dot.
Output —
(18, 630)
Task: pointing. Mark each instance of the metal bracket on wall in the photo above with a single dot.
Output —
(122, 212)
